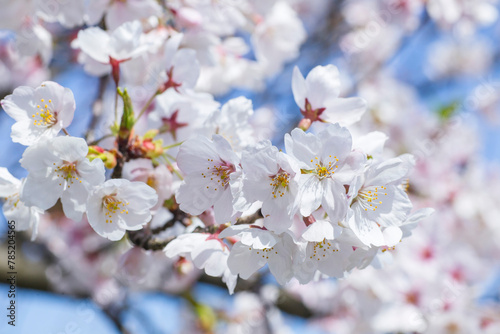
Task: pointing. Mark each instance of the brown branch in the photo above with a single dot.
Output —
(247, 220)
(145, 240)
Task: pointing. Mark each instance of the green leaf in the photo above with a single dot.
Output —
(128, 119)
(445, 112)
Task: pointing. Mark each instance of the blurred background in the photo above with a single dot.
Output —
(430, 72)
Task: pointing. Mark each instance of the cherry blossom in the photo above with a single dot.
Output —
(157, 177)
(318, 97)
(58, 168)
(322, 252)
(181, 66)
(25, 217)
(210, 169)
(271, 177)
(259, 247)
(119, 205)
(69, 14)
(327, 164)
(199, 184)
(278, 37)
(378, 199)
(207, 252)
(231, 122)
(118, 12)
(39, 113)
(111, 49)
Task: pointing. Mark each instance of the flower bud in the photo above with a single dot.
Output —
(93, 150)
(154, 148)
(108, 157)
(109, 160)
(304, 124)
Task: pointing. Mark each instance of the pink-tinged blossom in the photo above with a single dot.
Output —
(210, 167)
(122, 44)
(181, 66)
(259, 247)
(118, 205)
(68, 13)
(318, 97)
(159, 178)
(207, 252)
(327, 164)
(467, 15)
(271, 177)
(321, 252)
(180, 116)
(39, 112)
(379, 200)
(231, 122)
(118, 12)
(25, 217)
(277, 38)
(59, 168)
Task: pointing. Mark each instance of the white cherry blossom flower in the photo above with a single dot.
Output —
(68, 13)
(210, 167)
(58, 168)
(278, 37)
(39, 113)
(118, 205)
(181, 66)
(231, 122)
(111, 49)
(159, 178)
(318, 97)
(271, 177)
(177, 116)
(119, 12)
(322, 252)
(378, 199)
(25, 217)
(207, 252)
(259, 247)
(327, 164)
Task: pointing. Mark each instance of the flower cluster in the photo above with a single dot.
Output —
(58, 168)
(328, 204)
(150, 173)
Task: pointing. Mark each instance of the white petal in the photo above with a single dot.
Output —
(258, 238)
(310, 194)
(19, 105)
(74, 201)
(322, 82)
(336, 141)
(299, 88)
(392, 235)
(367, 231)
(371, 143)
(42, 193)
(243, 261)
(186, 68)
(9, 185)
(318, 231)
(94, 42)
(334, 200)
(345, 111)
(184, 244)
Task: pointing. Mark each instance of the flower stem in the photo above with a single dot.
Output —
(143, 110)
(172, 166)
(172, 146)
(95, 142)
